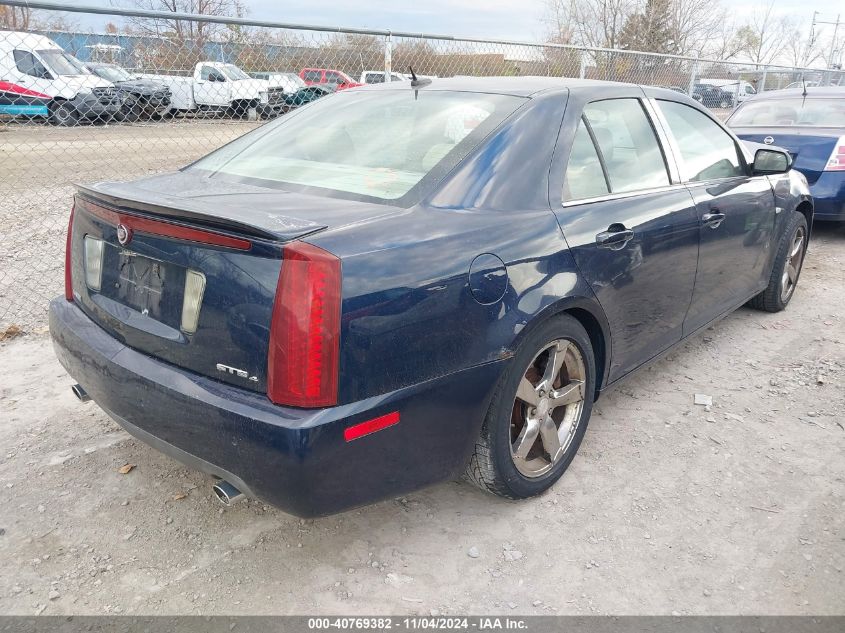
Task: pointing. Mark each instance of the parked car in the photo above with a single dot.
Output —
(331, 310)
(39, 79)
(141, 97)
(339, 80)
(812, 129)
(712, 96)
(377, 77)
(297, 92)
(739, 89)
(222, 88)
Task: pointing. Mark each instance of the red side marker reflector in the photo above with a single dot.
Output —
(370, 426)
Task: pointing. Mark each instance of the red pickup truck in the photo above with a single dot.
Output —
(328, 77)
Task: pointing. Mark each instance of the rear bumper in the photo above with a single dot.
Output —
(295, 459)
(829, 196)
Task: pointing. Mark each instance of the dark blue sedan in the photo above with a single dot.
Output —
(811, 126)
(401, 283)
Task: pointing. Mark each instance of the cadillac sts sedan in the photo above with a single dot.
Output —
(398, 284)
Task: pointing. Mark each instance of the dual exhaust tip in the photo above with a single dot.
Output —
(225, 492)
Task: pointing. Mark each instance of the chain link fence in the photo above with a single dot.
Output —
(80, 107)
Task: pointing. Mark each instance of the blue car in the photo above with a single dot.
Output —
(398, 284)
(811, 126)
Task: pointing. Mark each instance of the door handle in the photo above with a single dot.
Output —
(615, 237)
(713, 219)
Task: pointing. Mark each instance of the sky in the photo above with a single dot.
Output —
(498, 19)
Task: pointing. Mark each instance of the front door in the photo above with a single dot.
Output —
(736, 213)
(633, 233)
(211, 87)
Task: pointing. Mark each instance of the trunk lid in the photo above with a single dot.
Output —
(810, 148)
(189, 236)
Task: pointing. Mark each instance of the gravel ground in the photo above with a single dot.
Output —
(668, 508)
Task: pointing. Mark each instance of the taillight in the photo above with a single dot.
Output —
(68, 247)
(302, 362)
(836, 162)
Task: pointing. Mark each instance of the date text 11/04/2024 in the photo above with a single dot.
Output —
(418, 623)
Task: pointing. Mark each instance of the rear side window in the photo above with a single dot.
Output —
(313, 75)
(707, 151)
(584, 174)
(374, 78)
(27, 63)
(628, 145)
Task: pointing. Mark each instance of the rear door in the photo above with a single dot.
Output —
(630, 226)
(736, 213)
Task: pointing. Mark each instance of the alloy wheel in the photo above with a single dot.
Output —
(793, 265)
(548, 408)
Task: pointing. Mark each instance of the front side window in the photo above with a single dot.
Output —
(335, 78)
(374, 145)
(628, 145)
(27, 63)
(707, 151)
(584, 174)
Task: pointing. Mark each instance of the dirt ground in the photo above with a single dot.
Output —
(668, 508)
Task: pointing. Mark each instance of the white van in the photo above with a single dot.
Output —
(37, 78)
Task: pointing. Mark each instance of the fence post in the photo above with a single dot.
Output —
(582, 73)
(693, 73)
(763, 79)
(388, 58)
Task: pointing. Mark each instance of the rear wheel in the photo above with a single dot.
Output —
(539, 413)
(787, 267)
(63, 114)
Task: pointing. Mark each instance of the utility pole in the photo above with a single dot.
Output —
(830, 62)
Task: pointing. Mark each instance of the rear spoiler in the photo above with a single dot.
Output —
(126, 197)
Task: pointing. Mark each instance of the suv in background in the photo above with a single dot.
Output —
(712, 96)
(330, 77)
(141, 97)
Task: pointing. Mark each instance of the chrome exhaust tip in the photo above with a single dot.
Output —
(226, 493)
(80, 393)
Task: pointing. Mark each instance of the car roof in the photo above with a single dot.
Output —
(812, 91)
(516, 86)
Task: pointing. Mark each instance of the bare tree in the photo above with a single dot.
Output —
(183, 31)
(697, 25)
(801, 49)
(26, 19)
(593, 23)
(763, 38)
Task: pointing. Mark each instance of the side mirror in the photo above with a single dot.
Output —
(770, 161)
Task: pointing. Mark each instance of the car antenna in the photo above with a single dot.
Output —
(416, 83)
(804, 85)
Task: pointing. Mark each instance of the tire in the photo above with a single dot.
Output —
(790, 252)
(724, 104)
(63, 114)
(493, 466)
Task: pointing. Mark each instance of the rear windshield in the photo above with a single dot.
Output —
(376, 145)
(798, 111)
